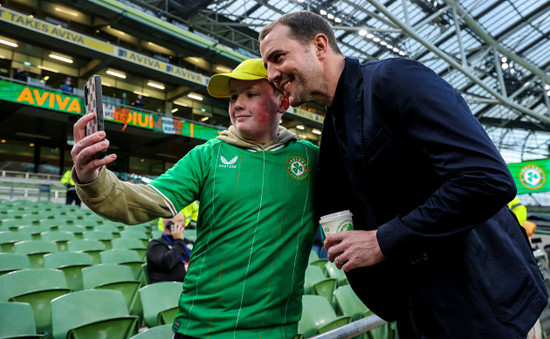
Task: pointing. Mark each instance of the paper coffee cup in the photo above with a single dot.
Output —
(337, 222)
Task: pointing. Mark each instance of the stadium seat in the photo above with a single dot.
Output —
(320, 263)
(313, 256)
(131, 244)
(11, 224)
(34, 230)
(103, 236)
(109, 228)
(163, 331)
(318, 316)
(92, 247)
(17, 321)
(35, 250)
(160, 302)
(10, 262)
(334, 272)
(36, 286)
(9, 238)
(92, 314)
(146, 280)
(317, 283)
(74, 229)
(129, 233)
(114, 277)
(123, 256)
(349, 304)
(71, 263)
(59, 237)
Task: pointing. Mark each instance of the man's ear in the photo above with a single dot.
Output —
(320, 43)
(284, 105)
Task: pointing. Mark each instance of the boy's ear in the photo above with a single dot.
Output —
(284, 105)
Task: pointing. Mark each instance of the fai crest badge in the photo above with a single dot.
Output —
(297, 168)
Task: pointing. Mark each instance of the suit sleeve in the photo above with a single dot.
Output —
(475, 181)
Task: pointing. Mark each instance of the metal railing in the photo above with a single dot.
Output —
(353, 329)
(27, 185)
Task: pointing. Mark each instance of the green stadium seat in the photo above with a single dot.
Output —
(348, 303)
(74, 229)
(9, 238)
(17, 321)
(317, 283)
(92, 247)
(71, 263)
(35, 250)
(103, 236)
(131, 244)
(11, 224)
(38, 287)
(318, 316)
(135, 234)
(109, 228)
(34, 230)
(123, 256)
(10, 262)
(92, 314)
(313, 256)
(59, 237)
(160, 302)
(163, 331)
(114, 277)
(320, 263)
(146, 280)
(334, 272)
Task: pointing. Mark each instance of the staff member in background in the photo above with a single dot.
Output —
(168, 255)
(71, 189)
(520, 211)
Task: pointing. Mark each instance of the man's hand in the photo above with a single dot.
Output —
(177, 231)
(84, 148)
(352, 249)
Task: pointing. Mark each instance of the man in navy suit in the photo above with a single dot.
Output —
(434, 247)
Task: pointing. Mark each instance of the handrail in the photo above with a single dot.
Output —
(353, 329)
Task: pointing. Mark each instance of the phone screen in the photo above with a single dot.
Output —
(94, 105)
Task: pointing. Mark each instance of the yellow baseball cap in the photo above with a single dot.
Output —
(251, 69)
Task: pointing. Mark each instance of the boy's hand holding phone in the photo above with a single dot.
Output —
(90, 145)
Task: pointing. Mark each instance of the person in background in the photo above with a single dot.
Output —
(168, 256)
(434, 246)
(139, 102)
(124, 99)
(520, 211)
(20, 74)
(255, 226)
(191, 214)
(71, 195)
(67, 86)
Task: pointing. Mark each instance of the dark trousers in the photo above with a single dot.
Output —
(72, 196)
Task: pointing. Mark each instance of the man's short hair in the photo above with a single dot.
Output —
(303, 27)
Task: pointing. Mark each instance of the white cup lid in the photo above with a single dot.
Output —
(335, 216)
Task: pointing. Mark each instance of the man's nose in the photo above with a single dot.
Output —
(273, 74)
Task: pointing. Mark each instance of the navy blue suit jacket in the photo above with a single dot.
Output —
(402, 150)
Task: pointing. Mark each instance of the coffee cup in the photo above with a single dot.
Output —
(337, 222)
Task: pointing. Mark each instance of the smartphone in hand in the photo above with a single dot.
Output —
(94, 105)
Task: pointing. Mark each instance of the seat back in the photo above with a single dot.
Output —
(318, 316)
(36, 286)
(35, 250)
(163, 331)
(123, 256)
(92, 247)
(317, 283)
(59, 237)
(17, 321)
(74, 229)
(12, 262)
(87, 313)
(34, 230)
(103, 236)
(160, 302)
(71, 263)
(131, 244)
(349, 304)
(334, 272)
(9, 238)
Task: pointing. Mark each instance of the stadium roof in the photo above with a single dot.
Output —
(496, 53)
